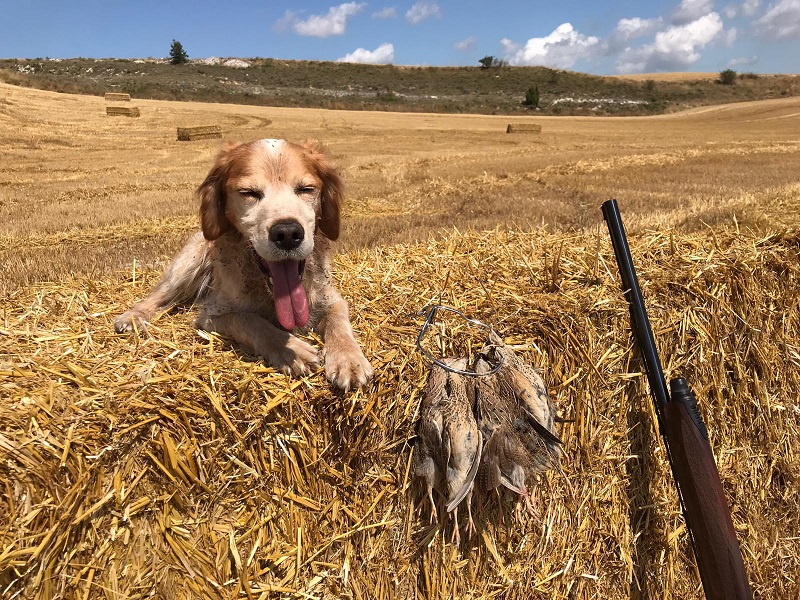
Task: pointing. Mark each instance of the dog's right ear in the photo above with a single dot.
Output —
(213, 219)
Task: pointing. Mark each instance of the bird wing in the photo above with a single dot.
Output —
(506, 483)
(434, 387)
(534, 403)
(473, 470)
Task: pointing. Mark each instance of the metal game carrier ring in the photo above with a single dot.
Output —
(431, 316)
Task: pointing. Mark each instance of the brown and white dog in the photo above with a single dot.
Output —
(260, 268)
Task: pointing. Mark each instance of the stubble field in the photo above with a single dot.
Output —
(174, 465)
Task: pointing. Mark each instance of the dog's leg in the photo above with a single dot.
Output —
(182, 282)
(345, 365)
(279, 348)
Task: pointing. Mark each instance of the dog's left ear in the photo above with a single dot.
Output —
(332, 191)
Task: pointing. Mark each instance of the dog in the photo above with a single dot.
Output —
(260, 267)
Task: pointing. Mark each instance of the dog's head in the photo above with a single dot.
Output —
(277, 195)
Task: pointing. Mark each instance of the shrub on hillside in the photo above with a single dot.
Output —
(727, 77)
(489, 62)
(532, 97)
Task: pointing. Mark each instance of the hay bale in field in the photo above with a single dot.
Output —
(204, 132)
(174, 465)
(122, 111)
(524, 128)
(117, 97)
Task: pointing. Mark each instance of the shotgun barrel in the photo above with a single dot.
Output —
(705, 509)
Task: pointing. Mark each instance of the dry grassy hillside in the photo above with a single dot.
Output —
(670, 76)
(173, 465)
(350, 86)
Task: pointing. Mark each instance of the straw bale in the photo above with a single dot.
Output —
(204, 132)
(524, 128)
(122, 111)
(172, 464)
(117, 97)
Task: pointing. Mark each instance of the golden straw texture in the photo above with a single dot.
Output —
(173, 465)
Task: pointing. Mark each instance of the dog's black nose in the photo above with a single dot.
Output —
(286, 235)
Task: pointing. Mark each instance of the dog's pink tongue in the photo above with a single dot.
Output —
(291, 303)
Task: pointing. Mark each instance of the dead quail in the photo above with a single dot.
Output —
(504, 457)
(516, 417)
(448, 445)
(428, 447)
(536, 420)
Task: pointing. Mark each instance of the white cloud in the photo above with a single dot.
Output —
(674, 48)
(731, 11)
(731, 36)
(332, 23)
(387, 13)
(423, 10)
(561, 49)
(782, 20)
(691, 10)
(382, 55)
(743, 61)
(750, 7)
(629, 29)
(465, 44)
(286, 21)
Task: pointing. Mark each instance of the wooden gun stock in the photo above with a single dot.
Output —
(706, 511)
(708, 518)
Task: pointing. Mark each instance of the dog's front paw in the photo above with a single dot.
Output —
(130, 321)
(295, 358)
(346, 368)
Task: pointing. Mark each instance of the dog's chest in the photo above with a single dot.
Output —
(240, 283)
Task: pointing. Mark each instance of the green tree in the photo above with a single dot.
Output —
(727, 77)
(532, 97)
(489, 62)
(177, 55)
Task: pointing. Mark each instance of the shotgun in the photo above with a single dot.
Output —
(705, 509)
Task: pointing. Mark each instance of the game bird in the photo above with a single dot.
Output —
(516, 418)
(448, 447)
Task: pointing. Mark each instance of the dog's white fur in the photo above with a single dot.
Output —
(250, 189)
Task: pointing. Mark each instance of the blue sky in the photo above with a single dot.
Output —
(603, 38)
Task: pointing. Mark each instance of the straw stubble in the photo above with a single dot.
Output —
(171, 463)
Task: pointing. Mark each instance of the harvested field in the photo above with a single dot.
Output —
(174, 465)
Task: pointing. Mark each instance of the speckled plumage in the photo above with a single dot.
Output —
(517, 419)
(490, 431)
(448, 444)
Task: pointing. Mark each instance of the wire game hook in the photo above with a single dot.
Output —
(429, 320)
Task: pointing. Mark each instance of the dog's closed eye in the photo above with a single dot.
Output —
(251, 193)
(305, 189)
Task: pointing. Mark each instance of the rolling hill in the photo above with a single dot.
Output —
(309, 84)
